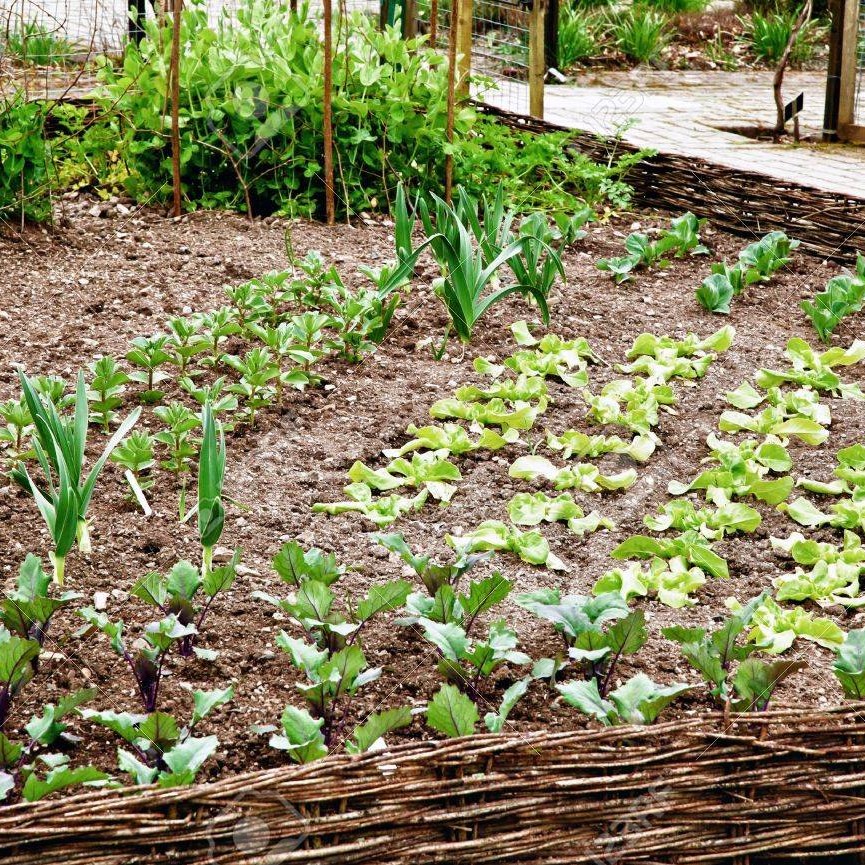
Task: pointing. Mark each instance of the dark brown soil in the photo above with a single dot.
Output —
(92, 285)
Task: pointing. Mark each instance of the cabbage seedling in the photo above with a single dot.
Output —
(60, 447)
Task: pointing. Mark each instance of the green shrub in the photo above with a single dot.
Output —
(540, 171)
(640, 33)
(24, 174)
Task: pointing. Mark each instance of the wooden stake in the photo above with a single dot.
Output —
(174, 73)
(327, 110)
(462, 13)
(537, 59)
(433, 22)
(456, 5)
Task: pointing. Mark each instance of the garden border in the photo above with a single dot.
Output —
(745, 203)
(757, 787)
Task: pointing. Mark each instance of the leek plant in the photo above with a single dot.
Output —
(60, 448)
(211, 471)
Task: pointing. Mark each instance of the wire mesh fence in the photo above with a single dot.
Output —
(500, 44)
(94, 26)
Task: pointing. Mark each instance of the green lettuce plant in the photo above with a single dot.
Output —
(453, 438)
(585, 477)
(549, 356)
(518, 415)
(774, 628)
(816, 369)
(844, 295)
(573, 443)
(662, 358)
(834, 572)
(632, 404)
(740, 470)
(711, 523)
(429, 470)
(493, 535)
(530, 509)
(690, 545)
(381, 510)
(671, 581)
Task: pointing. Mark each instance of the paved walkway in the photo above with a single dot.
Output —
(685, 113)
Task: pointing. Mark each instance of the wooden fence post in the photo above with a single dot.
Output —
(177, 14)
(327, 112)
(537, 59)
(849, 46)
(463, 15)
(452, 76)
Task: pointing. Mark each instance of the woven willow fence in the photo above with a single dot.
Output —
(781, 785)
(828, 224)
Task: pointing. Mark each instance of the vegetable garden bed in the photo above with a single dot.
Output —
(100, 284)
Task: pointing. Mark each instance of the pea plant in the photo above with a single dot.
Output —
(60, 450)
(135, 455)
(329, 654)
(14, 436)
(149, 354)
(495, 536)
(107, 385)
(180, 446)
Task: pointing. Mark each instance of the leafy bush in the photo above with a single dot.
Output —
(24, 166)
(677, 7)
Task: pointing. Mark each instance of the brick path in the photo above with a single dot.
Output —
(680, 112)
